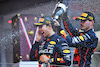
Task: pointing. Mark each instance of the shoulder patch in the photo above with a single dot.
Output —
(52, 42)
(80, 30)
(66, 51)
(63, 32)
(81, 37)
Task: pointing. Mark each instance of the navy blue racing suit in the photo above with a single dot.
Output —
(86, 41)
(55, 47)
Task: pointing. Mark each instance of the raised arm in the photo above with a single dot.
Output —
(80, 40)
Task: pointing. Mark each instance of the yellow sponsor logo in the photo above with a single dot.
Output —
(48, 22)
(59, 59)
(52, 42)
(66, 51)
(52, 59)
(81, 37)
(38, 23)
(42, 19)
(84, 14)
(81, 18)
(79, 30)
(63, 32)
(91, 18)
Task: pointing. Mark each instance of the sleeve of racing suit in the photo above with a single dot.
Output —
(69, 27)
(85, 40)
(65, 58)
(34, 51)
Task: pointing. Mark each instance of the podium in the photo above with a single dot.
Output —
(29, 64)
(23, 36)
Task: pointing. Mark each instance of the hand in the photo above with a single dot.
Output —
(44, 58)
(38, 35)
(56, 22)
(59, 9)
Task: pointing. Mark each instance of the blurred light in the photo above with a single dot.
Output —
(75, 17)
(35, 18)
(42, 15)
(30, 32)
(9, 21)
(25, 18)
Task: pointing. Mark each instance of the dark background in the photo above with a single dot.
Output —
(13, 5)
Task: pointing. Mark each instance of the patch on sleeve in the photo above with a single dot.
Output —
(63, 32)
(66, 51)
(52, 42)
(81, 37)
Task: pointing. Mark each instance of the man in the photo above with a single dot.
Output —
(85, 39)
(54, 49)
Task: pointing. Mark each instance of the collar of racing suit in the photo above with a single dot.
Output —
(48, 39)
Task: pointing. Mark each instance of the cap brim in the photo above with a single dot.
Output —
(38, 24)
(80, 18)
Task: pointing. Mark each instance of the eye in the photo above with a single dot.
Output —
(40, 26)
(83, 21)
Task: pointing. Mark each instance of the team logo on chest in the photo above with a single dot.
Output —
(49, 48)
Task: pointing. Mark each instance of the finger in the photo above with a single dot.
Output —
(56, 21)
(66, 7)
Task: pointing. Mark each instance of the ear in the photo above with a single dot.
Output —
(92, 21)
(50, 26)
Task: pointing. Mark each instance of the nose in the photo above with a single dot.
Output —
(40, 29)
(81, 22)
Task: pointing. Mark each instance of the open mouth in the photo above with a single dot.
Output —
(42, 32)
(82, 25)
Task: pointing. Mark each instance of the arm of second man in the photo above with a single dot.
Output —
(85, 40)
(68, 26)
